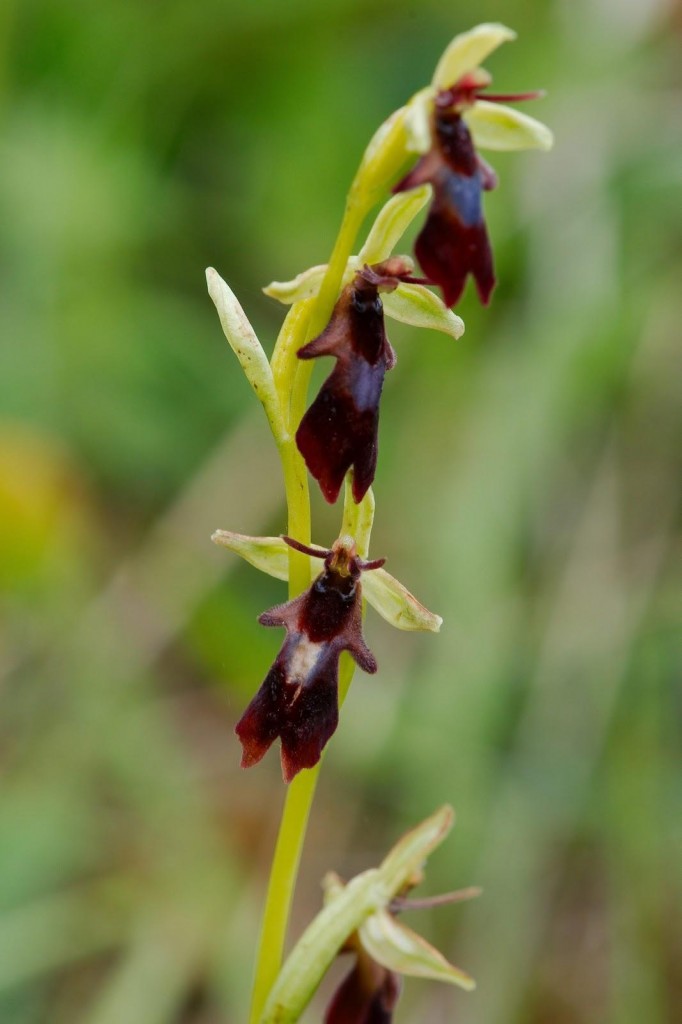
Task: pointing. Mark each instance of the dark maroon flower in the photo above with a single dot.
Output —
(298, 700)
(340, 428)
(454, 240)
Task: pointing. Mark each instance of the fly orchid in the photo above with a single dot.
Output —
(298, 701)
(340, 429)
(447, 122)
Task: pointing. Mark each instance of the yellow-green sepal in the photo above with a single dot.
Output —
(496, 126)
(399, 949)
(467, 50)
(415, 305)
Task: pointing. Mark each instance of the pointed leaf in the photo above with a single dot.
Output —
(246, 347)
(391, 223)
(332, 886)
(466, 51)
(416, 305)
(399, 949)
(495, 126)
(396, 604)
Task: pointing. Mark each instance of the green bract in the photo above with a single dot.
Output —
(247, 348)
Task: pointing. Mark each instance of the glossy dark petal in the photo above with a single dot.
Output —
(340, 429)
(368, 995)
(302, 712)
(453, 243)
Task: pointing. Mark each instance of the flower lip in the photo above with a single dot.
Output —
(298, 700)
(340, 429)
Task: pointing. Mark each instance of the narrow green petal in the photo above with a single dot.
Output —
(495, 126)
(247, 348)
(414, 304)
(402, 950)
(418, 121)
(466, 51)
(391, 224)
(305, 286)
(396, 604)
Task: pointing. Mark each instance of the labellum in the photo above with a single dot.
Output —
(340, 429)
(454, 240)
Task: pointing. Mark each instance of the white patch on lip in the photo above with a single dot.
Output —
(303, 661)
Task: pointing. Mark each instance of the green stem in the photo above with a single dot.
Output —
(292, 379)
(357, 207)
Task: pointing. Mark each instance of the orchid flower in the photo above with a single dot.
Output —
(446, 122)
(298, 700)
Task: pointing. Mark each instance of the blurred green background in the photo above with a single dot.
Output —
(528, 490)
